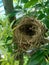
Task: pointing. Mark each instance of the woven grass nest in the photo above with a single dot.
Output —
(29, 33)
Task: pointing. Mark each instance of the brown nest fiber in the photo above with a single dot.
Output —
(29, 33)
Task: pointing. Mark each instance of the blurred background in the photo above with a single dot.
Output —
(10, 12)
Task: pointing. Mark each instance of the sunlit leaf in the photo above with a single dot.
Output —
(30, 3)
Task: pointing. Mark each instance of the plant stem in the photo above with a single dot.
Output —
(21, 60)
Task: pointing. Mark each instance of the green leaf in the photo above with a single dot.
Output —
(2, 43)
(36, 58)
(30, 3)
(24, 1)
(46, 21)
(43, 62)
(47, 63)
(18, 7)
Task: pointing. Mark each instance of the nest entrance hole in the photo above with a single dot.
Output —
(28, 29)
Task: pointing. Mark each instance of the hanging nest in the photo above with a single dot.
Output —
(29, 34)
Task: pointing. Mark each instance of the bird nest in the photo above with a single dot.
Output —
(29, 33)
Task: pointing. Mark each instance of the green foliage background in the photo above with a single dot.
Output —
(35, 8)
